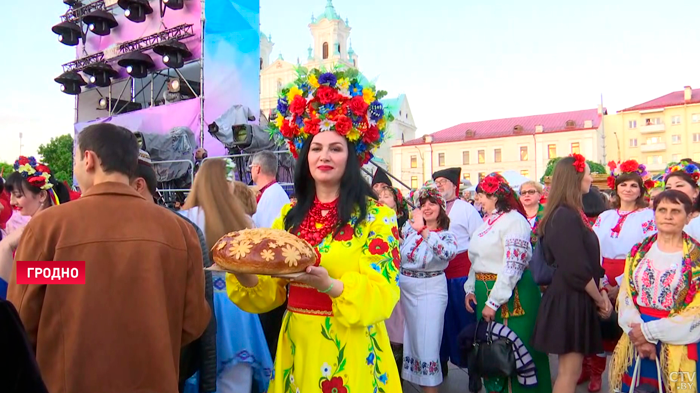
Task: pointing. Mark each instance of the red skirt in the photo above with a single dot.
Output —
(613, 268)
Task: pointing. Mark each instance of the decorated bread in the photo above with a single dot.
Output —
(263, 251)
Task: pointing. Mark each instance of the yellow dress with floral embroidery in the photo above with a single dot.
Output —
(347, 351)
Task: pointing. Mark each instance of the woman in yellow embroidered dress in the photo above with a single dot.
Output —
(333, 337)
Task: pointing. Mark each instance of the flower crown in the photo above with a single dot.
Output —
(341, 100)
(402, 203)
(629, 166)
(429, 190)
(35, 173)
(579, 162)
(685, 166)
(494, 184)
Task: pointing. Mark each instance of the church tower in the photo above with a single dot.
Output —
(266, 45)
(331, 35)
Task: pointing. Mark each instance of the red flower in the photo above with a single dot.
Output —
(343, 125)
(345, 233)
(648, 184)
(23, 160)
(326, 95)
(312, 126)
(579, 162)
(333, 385)
(43, 168)
(287, 130)
(611, 182)
(695, 176)
(292, 149)
(396, 255)
(395, 232)
(612, 165)
(629, 166)
(366, 158)
(358, 106)
(378, 247)
(371, 135)
(298, 105)
(37, 181)
(489, 185)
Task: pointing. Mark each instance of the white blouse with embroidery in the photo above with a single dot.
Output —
(658, 281)
(431, 254)
(500, 246)
(636, 226)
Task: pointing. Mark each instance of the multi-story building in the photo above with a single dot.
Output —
(331, 46)
(524, 144)
(656, 132)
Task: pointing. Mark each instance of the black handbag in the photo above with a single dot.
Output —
(492, 358)
(542, 272)
(610, 329)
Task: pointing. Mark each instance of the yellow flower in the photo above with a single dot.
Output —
(313, 81)
(343, 83)
(368, 95)
(353, 135)
(268, 255)
(26, 168)
(47, 184)
(293, 92)
(291, 256)
(279, 121)
(381, 123)
(240, 250)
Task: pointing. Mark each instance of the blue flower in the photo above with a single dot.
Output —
(383, 378)
(355, 89)
(327, 79)
(324, 109)
(300, 121)
(282, 105)
(32, 161)
(376, 267)
(305, 87)
(370, 359)
(360, 147)
(690, 168)
(16, 166)
(376, 110)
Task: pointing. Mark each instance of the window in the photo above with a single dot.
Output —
(696, 157)
(441, 159)
(466, 176)
(354, 62)
(632, 124)
(653, 121)
(414, 162)
(523, 153)
(551, 151)
(261, 63)
(651, 160)
(481, 156)
(633, 142)
(575, 148)
(696, 139)
(525, 172)
(651, 141)
(482, 175)
(695, 118)
(414, 182)
(279, 85)
(675, 139)
(338, 48)
(496, 155)
(465, 158)
(675, 157)
(675, 120)
(325, 50)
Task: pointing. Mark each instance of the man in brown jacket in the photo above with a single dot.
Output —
(143, 297)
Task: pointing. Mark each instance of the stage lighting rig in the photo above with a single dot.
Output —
(137, 64)
(100, 22)
(118, 106)
(73, 3)
(135, 10)
(174, 4)
(174, 53)
(69, 33)
(71, 82)
(188, 89)
(101, 74)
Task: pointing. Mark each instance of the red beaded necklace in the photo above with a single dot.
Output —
(309, 230)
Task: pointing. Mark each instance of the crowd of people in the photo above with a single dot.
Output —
(402, 287)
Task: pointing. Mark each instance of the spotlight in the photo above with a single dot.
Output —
(174, 85)
(73, 3)
(135, 10)
(137, 64)
(100, 22)
(118, 106)
(186, 89)
(174, 53)
(71, 82)
(174, 4)
(101, 74)
(69, 33)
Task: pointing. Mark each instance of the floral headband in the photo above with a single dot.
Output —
(230, 169)
(37, 174)
(579, 162)
(427, 191)
(494, 184)
(402, 203)
(341, 101)
(685, 166)
(629, 166)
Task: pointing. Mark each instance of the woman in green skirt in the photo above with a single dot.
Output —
(500, 288)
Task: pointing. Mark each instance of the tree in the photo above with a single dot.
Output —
(595, 167)
(58, 155)
(6, 169)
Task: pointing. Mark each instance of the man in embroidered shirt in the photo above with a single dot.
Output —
(464, 221)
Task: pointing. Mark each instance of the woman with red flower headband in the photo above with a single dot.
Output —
(618, 230)
(500, 287)
(684, 176)
(568, 323)
(333, 338)
(32, 188)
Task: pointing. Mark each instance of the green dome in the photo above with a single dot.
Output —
(329, 13)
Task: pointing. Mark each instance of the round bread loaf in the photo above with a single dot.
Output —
(263, 251)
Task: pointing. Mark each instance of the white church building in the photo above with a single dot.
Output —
(331, 45)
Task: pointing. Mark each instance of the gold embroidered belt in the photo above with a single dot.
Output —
(505, 312)
(305, 299)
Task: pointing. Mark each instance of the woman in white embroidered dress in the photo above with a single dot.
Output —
(500, 288)
(658, 305)
(683, 176)
(426, 251)
(618, 230)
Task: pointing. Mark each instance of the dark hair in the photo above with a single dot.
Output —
(16, 183)
(565, 190)
(354, 190)
(641, 201)
(593, 203)
(674, 196)
(688, 179)
(147, 173)
(443, 220)
(116, 147)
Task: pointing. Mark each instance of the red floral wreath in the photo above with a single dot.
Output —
(579, 162)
